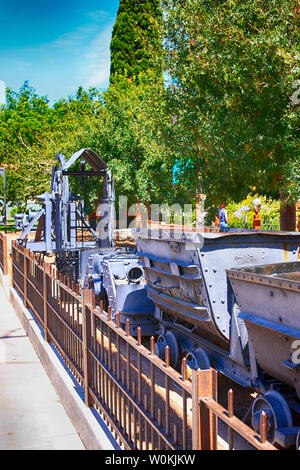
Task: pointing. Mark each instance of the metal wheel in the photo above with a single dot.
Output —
(298, 441)
(277, 410)
(196, 359)
(168, 339)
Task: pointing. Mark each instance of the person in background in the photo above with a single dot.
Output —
(223, 218)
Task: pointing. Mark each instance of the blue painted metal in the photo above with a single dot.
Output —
(279, 416)
(110, 274)
(269, 302)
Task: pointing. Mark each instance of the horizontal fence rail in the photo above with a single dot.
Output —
(146, 403)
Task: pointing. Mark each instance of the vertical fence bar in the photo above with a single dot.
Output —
(45, 294)
(167, 387)
(118, 348)
(146, 423)
(128, 355)
(139, 367)
(4, 254)
(86, 336)
(263, 427)
(184, 406)
(230, 415)
(152, 397)
(25, 253)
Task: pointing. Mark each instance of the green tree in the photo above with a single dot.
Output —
(233, 66)
(24, 127)
(128, 136)
(123, 125)
(136, 38)
(32, 132)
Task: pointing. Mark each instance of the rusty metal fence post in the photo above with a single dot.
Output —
(87, 304)
(4, 254)
(26, 258)
(45, 299)
(205, 424)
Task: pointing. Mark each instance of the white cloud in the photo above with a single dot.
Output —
(97, 59)
(58, 67)
(2, 92)
(74, 38)
(99, 16)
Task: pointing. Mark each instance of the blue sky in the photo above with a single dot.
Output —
(56, 45)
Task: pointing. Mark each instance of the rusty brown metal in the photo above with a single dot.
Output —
(167, 356)
(230, 415)
(86, 332)
(45, 313)
(175, 435)
(263, 427)
(139, 366)
(139, 332)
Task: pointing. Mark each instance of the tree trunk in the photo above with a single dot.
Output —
(287, 215)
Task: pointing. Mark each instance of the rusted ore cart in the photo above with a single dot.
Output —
(197, 310)
(269, 299)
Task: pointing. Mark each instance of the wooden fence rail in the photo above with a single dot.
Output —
(146, 403)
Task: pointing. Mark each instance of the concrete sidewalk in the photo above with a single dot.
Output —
(31, 415)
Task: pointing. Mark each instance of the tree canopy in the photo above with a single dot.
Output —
(227, 117)
(136, 38)
(233, 64)
(123, 125)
